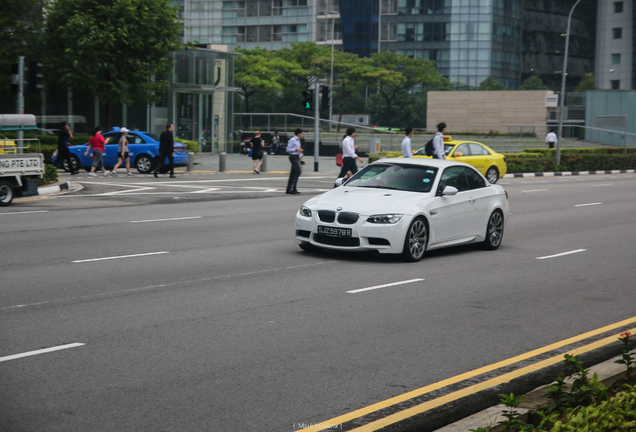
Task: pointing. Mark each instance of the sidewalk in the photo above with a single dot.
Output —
(275, 164)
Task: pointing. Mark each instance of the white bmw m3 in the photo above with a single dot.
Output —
(405, 206)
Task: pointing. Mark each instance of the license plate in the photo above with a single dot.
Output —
(334, 232)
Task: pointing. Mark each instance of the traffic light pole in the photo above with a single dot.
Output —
(20, 99)
(316, 125)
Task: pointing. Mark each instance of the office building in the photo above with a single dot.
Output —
(615, 67)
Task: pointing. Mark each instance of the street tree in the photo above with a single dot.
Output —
(118, 51)
(533, 83)
(588, 82)
(406, 75)
(351, 74)
(20, 35)
(261, 72)
(491, 83)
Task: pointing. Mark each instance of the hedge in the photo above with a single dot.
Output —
(544, 160)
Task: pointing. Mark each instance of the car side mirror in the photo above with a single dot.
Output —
(458, 154)
(450, 191)
(340, 181)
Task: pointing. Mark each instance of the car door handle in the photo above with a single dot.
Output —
(433, 212)
(471, 199)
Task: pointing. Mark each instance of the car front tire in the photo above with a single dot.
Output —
(143, 163)
(416, 240)
(494, 231)
(492, 175)
(76, 164)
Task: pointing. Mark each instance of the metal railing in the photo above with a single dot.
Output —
(4, 149)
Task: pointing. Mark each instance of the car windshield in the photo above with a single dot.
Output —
(405, 177)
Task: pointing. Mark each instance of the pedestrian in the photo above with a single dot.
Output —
(551, 139)
(438, 142)
(273, 147)
(257, 152)
(98, 144)
(122, 154)
(166, 150)
(63, 153)
(295, 151)
(406, 143)
(349, 155)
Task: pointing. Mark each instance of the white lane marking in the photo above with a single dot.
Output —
(562, 254)
(590, 204)
(599, 185)
(120, 256)
(384, 286)
(24, 212)
(164, 220)
(179, 283)
(534, 190)
(41, 351)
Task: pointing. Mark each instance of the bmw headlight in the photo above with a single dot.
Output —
(385, 218)
(305, 211)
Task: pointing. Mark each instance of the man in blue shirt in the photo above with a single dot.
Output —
(438, 142)
(406, 143)
(294, 150)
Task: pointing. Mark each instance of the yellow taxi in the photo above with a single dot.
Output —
(487, 161)
(7, 146)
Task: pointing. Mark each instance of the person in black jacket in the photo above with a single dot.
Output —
(166, 150)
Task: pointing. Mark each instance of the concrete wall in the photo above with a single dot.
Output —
(611, 103)
(483, 111)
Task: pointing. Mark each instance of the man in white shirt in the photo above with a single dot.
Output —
(438, 142)
(295, 151)
(349, 155)
(551, 139)
(406, 143)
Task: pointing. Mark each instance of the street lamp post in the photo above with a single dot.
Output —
(564, 73)
(333, 36)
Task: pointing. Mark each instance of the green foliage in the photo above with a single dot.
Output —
(191, 146)
(544, 160)
(117, 50)
(386, 154)
(588, 82)
(393, 104)
(627, 358)
(614, 415)
(261, 72)
(512, 422)
(491, 83)
(50, 175)
(21, 24)
(533, 83)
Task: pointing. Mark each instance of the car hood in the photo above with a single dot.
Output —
(366, 201)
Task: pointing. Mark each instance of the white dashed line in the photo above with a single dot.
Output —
(534, 190)
(384, 286)
(24, 212)
(119, 257)
(589, 204)
(164, 220)
(562, 254)
(41, 351)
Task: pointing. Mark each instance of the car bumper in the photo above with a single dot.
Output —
(384, 238)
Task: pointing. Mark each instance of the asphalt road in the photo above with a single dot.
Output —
(215, 320)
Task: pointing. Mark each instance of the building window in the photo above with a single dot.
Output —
(618, 7)
(240, 34)
(618, 32)
(240, 9)
(616, 84)
(616, 59)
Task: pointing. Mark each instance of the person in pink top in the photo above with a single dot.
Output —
(98, 144)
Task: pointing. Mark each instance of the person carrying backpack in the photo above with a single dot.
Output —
(438, 142)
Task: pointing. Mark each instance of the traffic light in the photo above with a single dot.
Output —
(324, 102)
(33, 74)
(309, 99)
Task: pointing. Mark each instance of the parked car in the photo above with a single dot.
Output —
(143, 146)
(487, 161)
(405, 206)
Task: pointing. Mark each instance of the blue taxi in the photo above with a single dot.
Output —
(143, 147)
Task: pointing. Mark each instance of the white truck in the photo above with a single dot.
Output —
(19, 172)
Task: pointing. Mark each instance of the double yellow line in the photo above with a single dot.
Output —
(418, 409)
